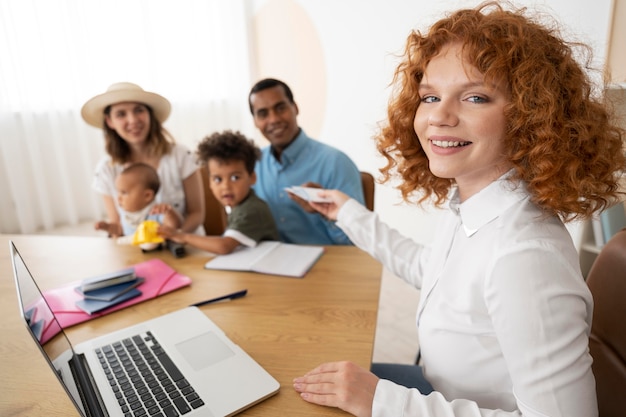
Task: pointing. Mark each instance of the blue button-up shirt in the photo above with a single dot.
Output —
(302, 161)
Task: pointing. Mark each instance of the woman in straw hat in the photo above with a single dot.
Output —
(131, 119)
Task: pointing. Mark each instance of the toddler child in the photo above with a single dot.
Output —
(231, 158)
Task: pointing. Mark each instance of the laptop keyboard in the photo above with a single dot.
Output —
(145, 380)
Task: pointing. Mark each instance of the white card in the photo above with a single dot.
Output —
(308, 193)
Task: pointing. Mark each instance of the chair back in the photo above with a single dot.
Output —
(367, 180)
(607, 343)
(215, 218)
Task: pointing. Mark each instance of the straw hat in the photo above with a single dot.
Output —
(93, 109)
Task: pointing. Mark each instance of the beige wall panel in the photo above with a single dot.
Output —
(617, 48)
(288, 48)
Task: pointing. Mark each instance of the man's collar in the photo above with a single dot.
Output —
(293, 149)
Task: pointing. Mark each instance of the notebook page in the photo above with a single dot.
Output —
(242, 259)
(289, 260)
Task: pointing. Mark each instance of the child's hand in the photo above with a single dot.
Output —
(114, 230)
(166, 231)
(171, 233)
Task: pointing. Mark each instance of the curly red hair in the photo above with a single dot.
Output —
(560, 139)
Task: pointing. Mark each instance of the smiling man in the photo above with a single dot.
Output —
(293, 158)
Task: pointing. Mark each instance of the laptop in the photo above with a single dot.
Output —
(180, 363)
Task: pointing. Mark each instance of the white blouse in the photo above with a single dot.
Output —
(504, 313)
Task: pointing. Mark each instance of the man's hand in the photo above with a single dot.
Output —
(302, 202)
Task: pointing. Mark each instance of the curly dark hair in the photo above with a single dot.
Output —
(159, 140)
(229, 146)
(560, 140)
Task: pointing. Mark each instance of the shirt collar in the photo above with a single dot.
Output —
(250, 194)
(229, 209)
(291, 152)
(488, 204)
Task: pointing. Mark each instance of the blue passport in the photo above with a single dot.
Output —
(91, 306)
(107, 280)
(110, 293)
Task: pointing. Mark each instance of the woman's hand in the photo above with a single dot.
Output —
(331, 209)
(171, 218)
(339, 384)
(162, 208)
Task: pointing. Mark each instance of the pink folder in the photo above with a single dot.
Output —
(159, 277)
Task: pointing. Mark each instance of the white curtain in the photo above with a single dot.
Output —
(56, 54)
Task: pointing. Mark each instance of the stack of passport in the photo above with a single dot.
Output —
(104, 291)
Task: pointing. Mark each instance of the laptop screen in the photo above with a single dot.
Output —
(40, 320)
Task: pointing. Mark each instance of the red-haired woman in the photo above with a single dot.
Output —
(493, 117)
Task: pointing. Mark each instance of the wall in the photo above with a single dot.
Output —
(616, 59)
(338, 56)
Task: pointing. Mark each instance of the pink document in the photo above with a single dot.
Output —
(159, 277)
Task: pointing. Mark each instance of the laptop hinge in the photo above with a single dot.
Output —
(94, 406)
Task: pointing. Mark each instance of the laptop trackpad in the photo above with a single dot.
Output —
(204, 350)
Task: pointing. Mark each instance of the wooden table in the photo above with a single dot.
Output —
(288, 325)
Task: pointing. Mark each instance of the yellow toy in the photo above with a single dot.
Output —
(146, 236)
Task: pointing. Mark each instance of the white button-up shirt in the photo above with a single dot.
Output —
(504, 313)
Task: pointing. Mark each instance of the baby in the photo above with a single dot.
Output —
(137, 186)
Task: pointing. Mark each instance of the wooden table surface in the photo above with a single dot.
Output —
(288, 325)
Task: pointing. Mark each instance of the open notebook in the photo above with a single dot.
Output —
(157, 367)
(270, 257)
